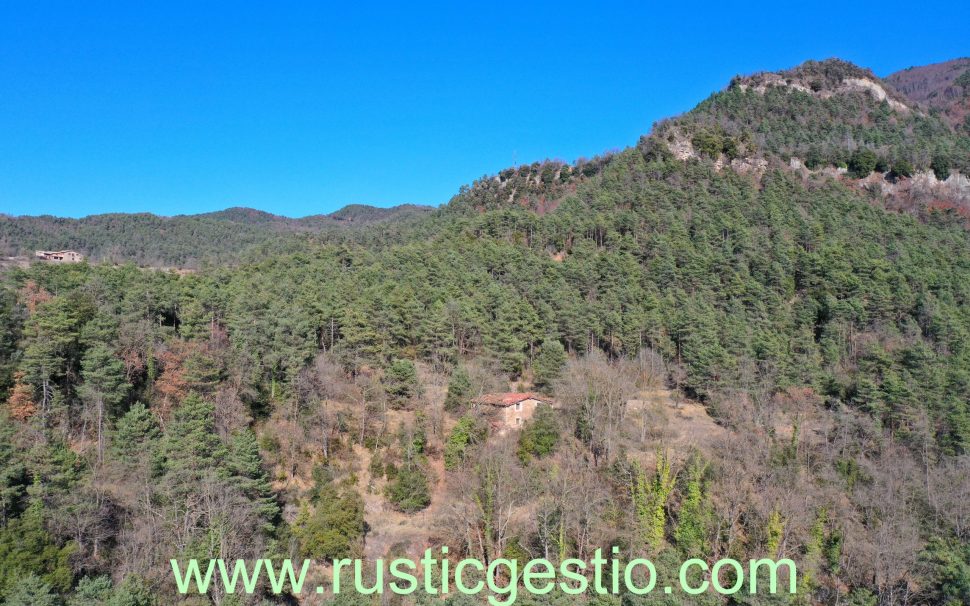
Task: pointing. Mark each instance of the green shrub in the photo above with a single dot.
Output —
(862, 163)
(465, 433)
(941, 166)
(902, 169)
(332, 525)
(540, 436)
(708, 143)
(409, 491)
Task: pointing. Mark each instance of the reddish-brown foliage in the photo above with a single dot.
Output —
(32, 294)
(21, 402)
(171, 384)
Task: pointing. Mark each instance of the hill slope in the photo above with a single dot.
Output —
(184, 240)
(940, 86)
(828, 118)
(821, 113)
(828, 338)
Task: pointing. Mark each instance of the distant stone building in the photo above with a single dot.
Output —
(59, 256)
(510, 410)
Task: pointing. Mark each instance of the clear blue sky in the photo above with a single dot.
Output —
(301, 108)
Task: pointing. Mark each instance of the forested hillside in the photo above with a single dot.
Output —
(942, 87)
(822, 113)
(184, 241)
(318, 401)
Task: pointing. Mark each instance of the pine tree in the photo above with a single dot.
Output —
(246, 468)
(191, 447)
(11, 324)
(136, 433)
(104, 387)
(13, 474)
(946, 572)
(53, 347)
(202, 372)
(361, 342)
(133, 591)
(505, 333)
(404, 316)
(31, 590)
(27, 547)
(400, 382)
(459, 388)
(40, 367)
(92, 591)
(549, 363)
(699, 345)
(437, 335)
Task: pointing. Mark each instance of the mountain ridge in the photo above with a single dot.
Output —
(820, 119)
(830, 118)
(248, 214)
(185, 241)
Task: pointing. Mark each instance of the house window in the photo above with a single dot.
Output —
(518, 405)
(518, 420)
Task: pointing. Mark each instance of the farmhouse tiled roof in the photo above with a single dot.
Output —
(508, 399)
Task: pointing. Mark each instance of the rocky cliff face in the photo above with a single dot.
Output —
(824, 80)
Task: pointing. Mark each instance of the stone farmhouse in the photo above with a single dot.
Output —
(59, 256)
(509, 411)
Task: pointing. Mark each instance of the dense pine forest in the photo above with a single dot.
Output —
(754, 325)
